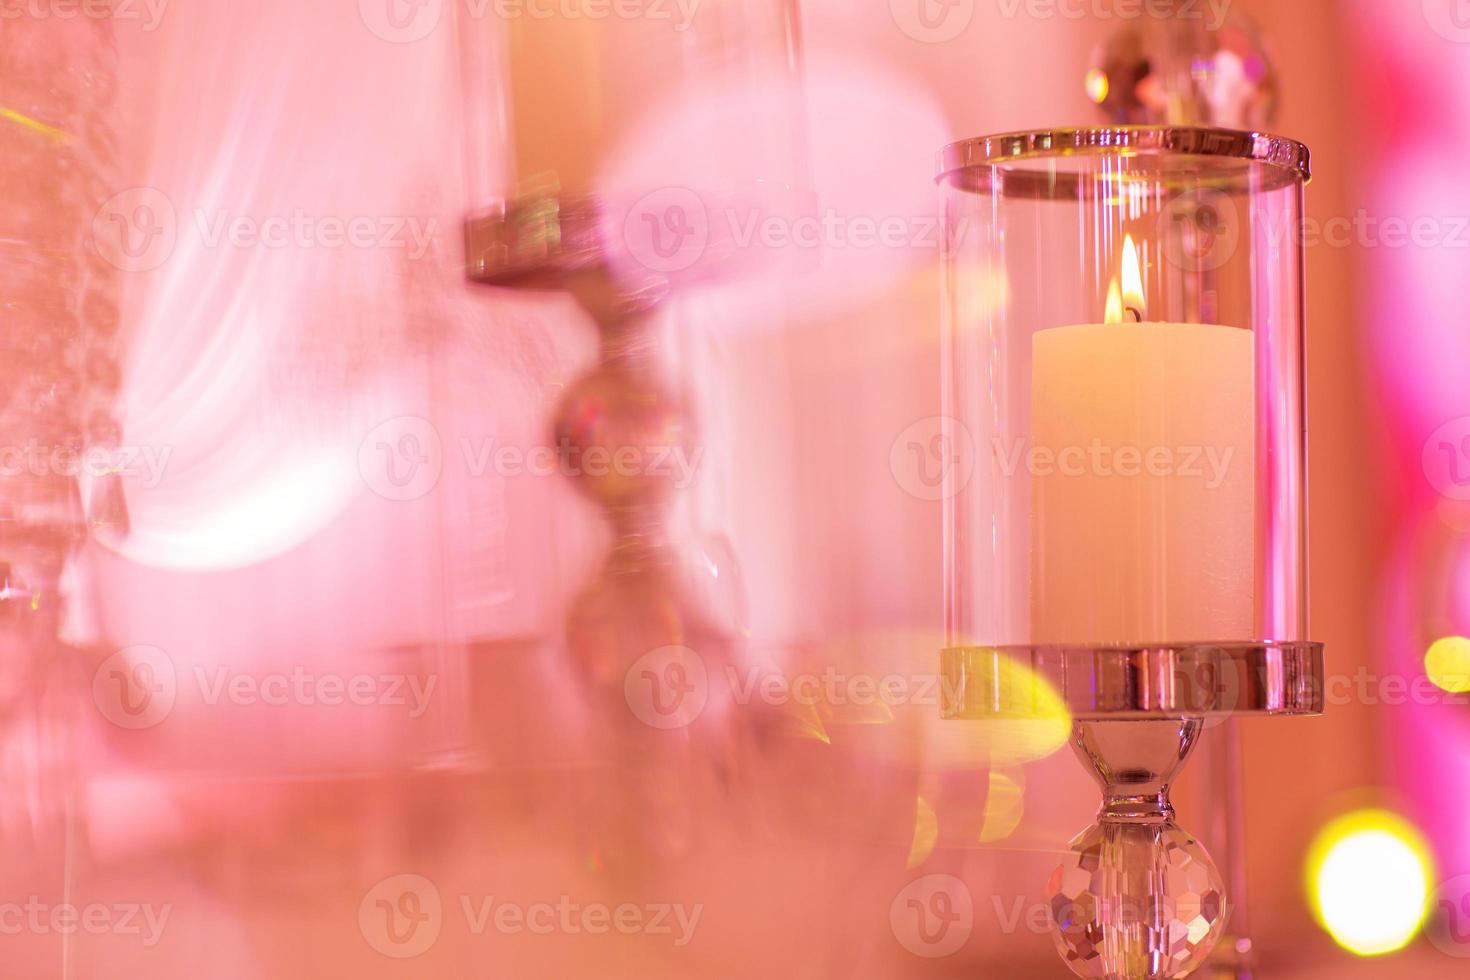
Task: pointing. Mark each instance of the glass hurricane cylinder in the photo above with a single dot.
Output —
(1124, 455)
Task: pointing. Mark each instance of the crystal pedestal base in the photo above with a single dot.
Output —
(1136, 897)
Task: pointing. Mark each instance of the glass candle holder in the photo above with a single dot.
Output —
(605, 155)
(1125, 537)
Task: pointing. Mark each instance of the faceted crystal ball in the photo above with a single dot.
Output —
(1135, 901)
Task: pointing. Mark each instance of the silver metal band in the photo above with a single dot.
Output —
(1158, 681)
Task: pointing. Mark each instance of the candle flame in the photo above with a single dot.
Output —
(1132, 277)
(1126, 301)
(1113, 311)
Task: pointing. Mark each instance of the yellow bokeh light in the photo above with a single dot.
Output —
(926, 834)
(1369, 877)
(1004, 805)
(34, 125)
(885, 694)
(1097, 85)
(1447, 663)
(1023, 717)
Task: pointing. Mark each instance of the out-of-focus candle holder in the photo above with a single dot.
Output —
(552, 106)
(553, 103)
(1123, 355)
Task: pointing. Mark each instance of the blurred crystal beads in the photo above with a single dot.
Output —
(59, 374)
(1184, 70)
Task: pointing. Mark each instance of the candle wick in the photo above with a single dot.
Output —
(1136, 313)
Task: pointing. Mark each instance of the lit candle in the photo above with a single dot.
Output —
(1143, 477)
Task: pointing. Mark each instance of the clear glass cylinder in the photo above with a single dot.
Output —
(1123, 389)
(620, 142)
(555, 94)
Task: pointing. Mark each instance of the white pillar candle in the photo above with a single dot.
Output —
(1143, 483)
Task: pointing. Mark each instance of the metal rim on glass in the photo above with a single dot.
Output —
(1287, 159)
